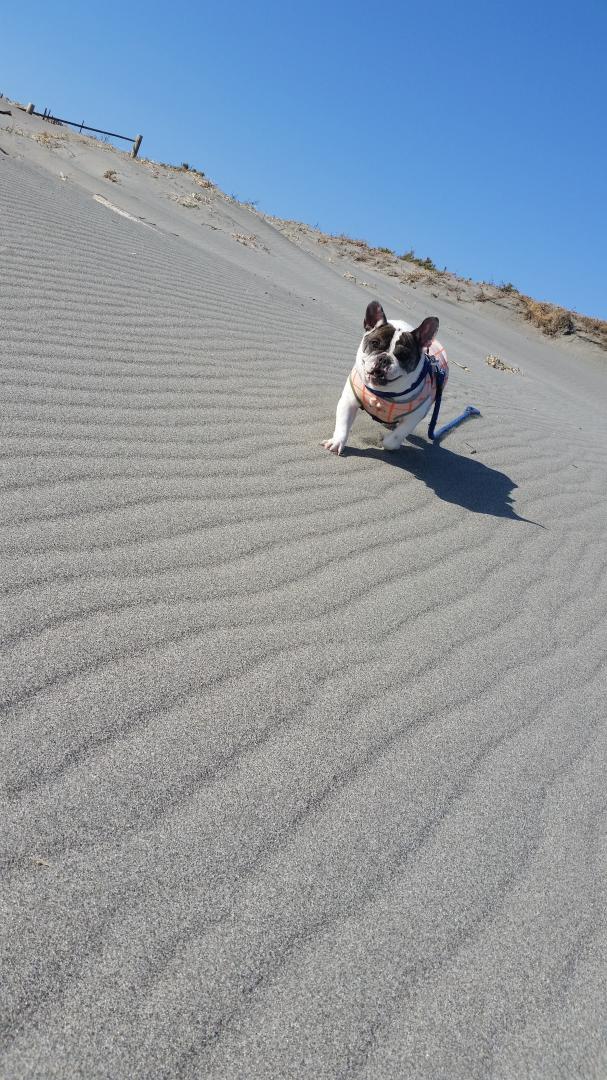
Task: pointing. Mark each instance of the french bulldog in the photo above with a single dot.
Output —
(393, 378)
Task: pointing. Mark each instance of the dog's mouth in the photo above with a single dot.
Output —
(378, 378)
(378, 373)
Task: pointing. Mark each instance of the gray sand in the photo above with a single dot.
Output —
(303, 757)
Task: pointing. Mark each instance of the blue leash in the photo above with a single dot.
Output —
(469, 411)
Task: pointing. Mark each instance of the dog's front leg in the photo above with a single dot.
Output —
(347, 407)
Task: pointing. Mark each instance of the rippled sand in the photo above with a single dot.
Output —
(303, 757)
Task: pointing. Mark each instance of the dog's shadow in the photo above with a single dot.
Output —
(455, 478)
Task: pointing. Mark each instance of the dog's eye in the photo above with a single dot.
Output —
(375, 343)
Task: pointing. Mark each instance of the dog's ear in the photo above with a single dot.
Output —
(374, 316)
(426, 331)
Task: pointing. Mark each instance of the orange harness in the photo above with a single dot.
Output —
(390, 408)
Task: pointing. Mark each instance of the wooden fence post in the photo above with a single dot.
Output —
(136, 146)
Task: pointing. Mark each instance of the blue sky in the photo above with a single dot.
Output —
(473, 132)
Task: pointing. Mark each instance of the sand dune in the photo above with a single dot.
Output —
(302, 758)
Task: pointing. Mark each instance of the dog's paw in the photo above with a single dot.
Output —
(392, 441)
(335, 445)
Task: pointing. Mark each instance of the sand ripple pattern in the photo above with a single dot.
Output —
(302, 759)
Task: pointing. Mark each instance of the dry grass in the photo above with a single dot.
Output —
(554, 320)
(51, 141)
(202, 182)
(250, 240)
(595, 329)
(501, 365)
(414, 277)
(425, 264)
(549, 318)
(193, 201)
(111, 174)
(195, 175)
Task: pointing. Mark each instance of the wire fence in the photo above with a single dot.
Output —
(47, 115)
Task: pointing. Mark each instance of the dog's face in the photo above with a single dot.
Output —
(386, 352)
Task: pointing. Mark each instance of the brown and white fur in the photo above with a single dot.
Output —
(390, 353)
